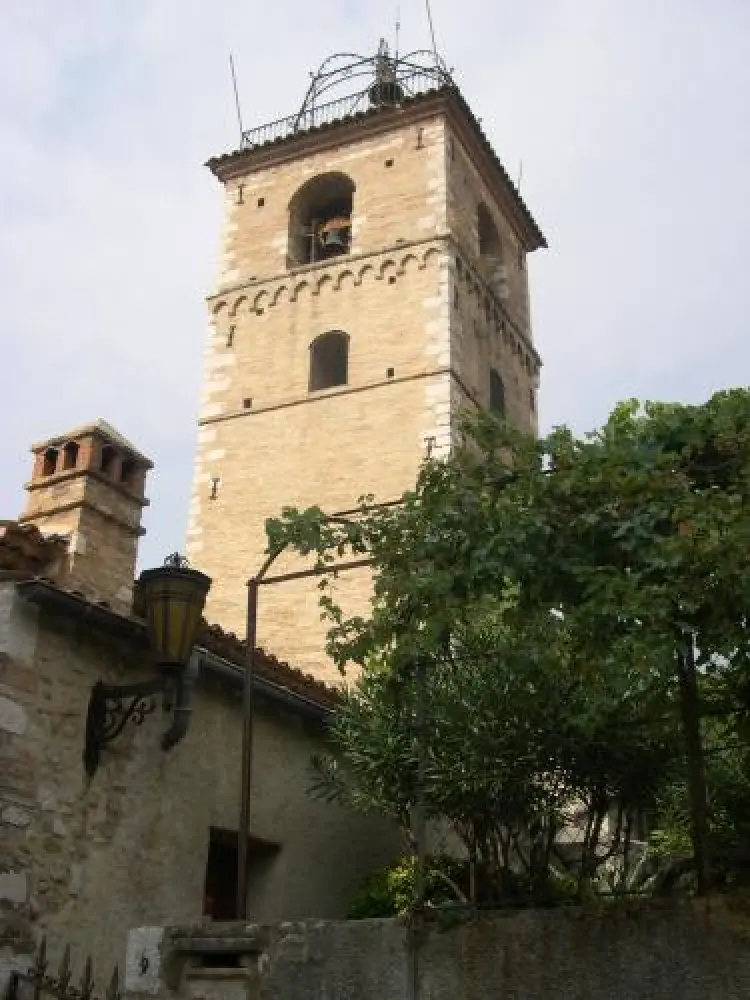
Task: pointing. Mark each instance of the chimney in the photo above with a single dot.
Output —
(88, 485)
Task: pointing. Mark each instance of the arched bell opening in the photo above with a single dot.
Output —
(320, 219)
(490, 248)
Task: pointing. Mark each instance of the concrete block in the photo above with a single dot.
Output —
(15, 815)
(14, 887)
(13, 718)
(143, 960)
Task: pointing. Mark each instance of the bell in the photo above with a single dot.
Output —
(333, 241)
(384, 92)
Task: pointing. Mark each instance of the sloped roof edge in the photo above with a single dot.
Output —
(280, 676)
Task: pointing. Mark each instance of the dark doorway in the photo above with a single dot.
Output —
(220, 889)
(219, 896)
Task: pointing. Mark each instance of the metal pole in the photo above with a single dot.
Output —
(243, 833)
(304, 574)
(236, 96)
(696, 762)
(420, 823)
(419, 828)
(247, 748)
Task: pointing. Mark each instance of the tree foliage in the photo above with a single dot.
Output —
(581, 601)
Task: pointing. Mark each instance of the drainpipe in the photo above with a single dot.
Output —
(184, 685)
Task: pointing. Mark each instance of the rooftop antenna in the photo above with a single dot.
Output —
(236, 95)
(398, 30)
(520, 174)
(432, 29)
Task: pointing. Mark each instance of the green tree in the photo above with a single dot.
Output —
(636, 536)
(518, 733)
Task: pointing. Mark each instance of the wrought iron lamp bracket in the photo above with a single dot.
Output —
(173, 597)
(112, 706)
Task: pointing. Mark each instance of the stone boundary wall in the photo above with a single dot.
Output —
(640, 950)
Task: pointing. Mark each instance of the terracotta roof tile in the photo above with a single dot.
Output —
(210, 637)
(23, 548)
(232, 648)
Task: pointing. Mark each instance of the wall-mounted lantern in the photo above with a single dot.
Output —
(172, 598)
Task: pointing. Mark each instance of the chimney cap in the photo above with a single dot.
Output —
(101, 429)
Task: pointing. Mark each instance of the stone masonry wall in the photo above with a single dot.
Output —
(291, 449)
(85, 860)
(102, 521)
(265, 442)
(465, 190)
(489, 330)
(101, 558)
(421, 342)
(689, 950)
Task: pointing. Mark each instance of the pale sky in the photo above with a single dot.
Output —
(631, 118)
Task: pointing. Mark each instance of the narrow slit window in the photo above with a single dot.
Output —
(489, 238)
(497, 393)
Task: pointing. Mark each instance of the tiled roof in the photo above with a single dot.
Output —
(24, 549)
(211, 638)
(232, 648)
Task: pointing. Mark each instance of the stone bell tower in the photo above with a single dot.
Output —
(372, 284)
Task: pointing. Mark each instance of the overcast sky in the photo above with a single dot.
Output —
(631, 118)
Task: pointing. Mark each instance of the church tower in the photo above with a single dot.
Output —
(372, 284)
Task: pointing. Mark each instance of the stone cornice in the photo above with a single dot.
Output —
(136, 530)
(318, 396)
(233, 295)
(291, 273)
(66, 475)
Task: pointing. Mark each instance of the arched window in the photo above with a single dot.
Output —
(70, 455)
(497, 393)
(320, 219)
(49, 465)
(489, 238)
(490, 250)
(329, 360)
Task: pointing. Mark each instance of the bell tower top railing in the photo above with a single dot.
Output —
(348, 84)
